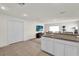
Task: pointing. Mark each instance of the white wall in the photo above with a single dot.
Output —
(3, 31)
(29, 28)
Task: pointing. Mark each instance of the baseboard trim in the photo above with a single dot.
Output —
(1, 46)
(47, 53)
(7, 44)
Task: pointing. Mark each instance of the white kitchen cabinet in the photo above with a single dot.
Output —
(43, 43)
(50, 45)
(71, 50)
(47, 45)
(59, 48)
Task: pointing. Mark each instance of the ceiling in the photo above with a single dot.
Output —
(42, 11)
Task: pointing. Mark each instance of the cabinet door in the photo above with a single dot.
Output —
(70, 50)
(59, 49)
(50, 45)
(43, 44)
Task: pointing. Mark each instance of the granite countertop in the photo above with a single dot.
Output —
(68, 37)
(67, 34)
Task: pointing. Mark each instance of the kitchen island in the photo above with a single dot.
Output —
(60, 44)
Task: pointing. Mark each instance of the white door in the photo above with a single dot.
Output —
(59, 48)
(15, 31)
(70, 50)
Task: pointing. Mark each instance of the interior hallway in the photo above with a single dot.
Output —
(25, 48)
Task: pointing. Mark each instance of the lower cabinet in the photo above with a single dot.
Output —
(59, 47)
(50, 45)
(71, 50)
(47, 45)
(44, 43)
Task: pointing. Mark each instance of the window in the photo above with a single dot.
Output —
(54, 28)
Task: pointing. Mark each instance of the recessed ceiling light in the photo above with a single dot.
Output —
(3, 8)
(25, 15)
